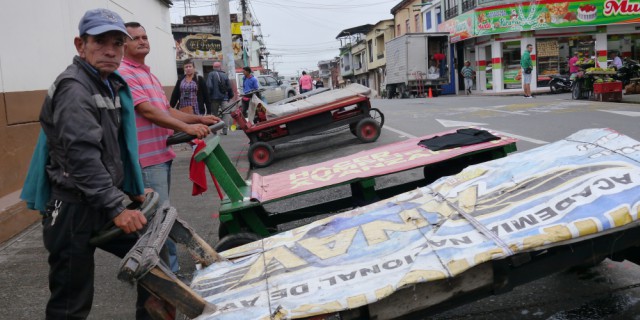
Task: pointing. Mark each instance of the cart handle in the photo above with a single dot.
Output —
(181, 137)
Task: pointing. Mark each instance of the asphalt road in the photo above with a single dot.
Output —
(607, 291)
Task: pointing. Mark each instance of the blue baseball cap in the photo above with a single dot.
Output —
(99, 21)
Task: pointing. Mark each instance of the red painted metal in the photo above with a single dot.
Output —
(395, 157)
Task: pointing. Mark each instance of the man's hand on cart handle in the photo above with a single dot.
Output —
(198, 130)
(209, 120)
(130, 220)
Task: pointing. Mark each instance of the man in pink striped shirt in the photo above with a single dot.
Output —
(155, 119)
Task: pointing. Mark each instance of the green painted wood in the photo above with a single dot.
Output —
(211, 143)
(229, 167)
(224, 179)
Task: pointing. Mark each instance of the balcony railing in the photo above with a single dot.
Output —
(468, 5)
(451, 12)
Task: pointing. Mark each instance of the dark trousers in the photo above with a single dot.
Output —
(71, 260)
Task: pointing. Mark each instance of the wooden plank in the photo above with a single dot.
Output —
(199, 249)
(168, 288)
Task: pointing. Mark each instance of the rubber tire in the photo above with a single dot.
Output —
(552, 87)
(373, 111)
(291, 94)
(575, 92)
(368, 130)
(235, 240)
(352, 128)
(261, 154)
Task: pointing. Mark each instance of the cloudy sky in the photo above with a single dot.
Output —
(298, 33)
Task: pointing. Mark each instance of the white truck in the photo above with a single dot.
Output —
(417, 63)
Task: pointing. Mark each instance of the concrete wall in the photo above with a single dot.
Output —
(37, 40)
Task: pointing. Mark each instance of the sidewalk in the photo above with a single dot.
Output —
(23, 259)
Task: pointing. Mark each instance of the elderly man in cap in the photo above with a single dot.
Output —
(85, 165)
(220, 90)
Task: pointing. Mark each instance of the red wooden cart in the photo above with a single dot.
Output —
(312, 115)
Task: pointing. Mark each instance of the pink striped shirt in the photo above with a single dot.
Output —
(145, 87)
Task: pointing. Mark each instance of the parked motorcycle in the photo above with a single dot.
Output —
(560, 83)
(630, 69)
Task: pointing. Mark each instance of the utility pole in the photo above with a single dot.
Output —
(224, 18)
(243, 6)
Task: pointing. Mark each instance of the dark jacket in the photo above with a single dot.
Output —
(213, 88)
(83, 124)
(203, 97)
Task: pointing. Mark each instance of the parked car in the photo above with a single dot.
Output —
(275, 89)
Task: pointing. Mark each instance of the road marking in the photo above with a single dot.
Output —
(624, 113)
(451, 123)
(496, 109)
(532, 140)
(402, 133)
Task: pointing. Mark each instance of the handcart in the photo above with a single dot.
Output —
(481, 232)
(317, 112)
(244, 218)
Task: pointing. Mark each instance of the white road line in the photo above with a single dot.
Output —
(402, 133)
(624, 113)
(519, 113)
(536, 141)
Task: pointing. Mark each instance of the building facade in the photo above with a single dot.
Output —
(407, 17)
(48, 47)
(494, 34)
(376, 38)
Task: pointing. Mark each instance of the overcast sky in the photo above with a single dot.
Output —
(298, 33)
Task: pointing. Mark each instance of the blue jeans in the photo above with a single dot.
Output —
(158, 178)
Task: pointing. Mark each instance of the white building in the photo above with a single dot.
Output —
(37, 38)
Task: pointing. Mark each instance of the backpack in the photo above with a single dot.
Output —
(222, 85)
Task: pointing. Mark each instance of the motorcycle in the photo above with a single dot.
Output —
(560, 83)
(630, 69)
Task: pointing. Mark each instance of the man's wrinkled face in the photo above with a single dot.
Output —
(138, 45)
(104, 51)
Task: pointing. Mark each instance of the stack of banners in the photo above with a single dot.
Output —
(581, 187)
(318, 100)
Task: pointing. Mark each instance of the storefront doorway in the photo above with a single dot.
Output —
(512, 75)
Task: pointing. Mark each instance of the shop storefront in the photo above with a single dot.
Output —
(556, 29)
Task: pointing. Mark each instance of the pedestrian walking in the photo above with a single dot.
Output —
(219, 91)
(468, 74)
(319, 83)
(249, 83)
(156, 119)
(306, 82)
(527, 70)
(190, 92)
(84, 166)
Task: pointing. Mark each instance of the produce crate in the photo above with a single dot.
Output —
(606, 87)
(607, 96)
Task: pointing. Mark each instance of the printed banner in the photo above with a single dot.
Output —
(395, 157)
(538, 15)
(460, 27)
(585, 185)
(205, 46)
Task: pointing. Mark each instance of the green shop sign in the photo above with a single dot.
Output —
(537, 15)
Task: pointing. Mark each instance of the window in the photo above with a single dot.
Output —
(262, 81)
(380, 47)
(428, 20)
(438, 16)
(407, 26)
(416, 22)
(399, 32)
(370, 51)
(271, 81)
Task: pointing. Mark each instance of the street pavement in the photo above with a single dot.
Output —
(608, 291)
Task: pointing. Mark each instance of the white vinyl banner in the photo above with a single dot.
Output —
(583, 186)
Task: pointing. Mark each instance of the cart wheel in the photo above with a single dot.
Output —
(377, 115)
(368, 130)
(261, 154)
(235, 240)
(575, 92)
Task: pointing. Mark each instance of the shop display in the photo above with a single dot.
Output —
(597, 84)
